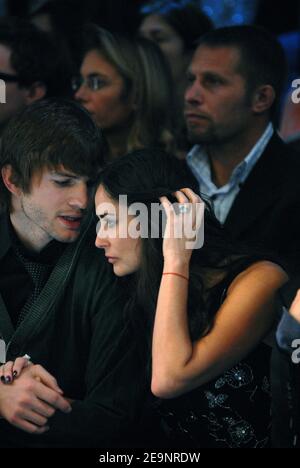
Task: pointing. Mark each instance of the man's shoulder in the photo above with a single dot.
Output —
(279, 166)
(282, 152)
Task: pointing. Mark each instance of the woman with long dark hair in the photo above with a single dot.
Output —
(206, 310)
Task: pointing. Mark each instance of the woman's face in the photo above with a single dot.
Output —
(107, 104)
(155, 28)
(120, 248)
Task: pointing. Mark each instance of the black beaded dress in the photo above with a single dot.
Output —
(232, 410)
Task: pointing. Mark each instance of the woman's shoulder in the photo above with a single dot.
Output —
(260, 271)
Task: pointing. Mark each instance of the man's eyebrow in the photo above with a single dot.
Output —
(212, 73)
(96, 75)
(65, 174)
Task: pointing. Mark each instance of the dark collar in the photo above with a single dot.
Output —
(9, 239)
(5, 239)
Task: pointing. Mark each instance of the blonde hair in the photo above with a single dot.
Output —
(146, 77)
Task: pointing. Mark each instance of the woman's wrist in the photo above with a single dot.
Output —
(295, 313)
(176, 266)
(295, 307)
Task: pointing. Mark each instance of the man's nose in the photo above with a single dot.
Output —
(194, 94)
(80, 197)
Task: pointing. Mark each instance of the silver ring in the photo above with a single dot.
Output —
(183, 208)
(26, 356)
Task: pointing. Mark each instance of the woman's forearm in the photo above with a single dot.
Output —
(172, 347)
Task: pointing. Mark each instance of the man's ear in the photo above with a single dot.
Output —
(35, 92)
(8, 180)
(263, 99)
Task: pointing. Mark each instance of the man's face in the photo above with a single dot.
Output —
(15, 96)
(54, 208)
(217, 106)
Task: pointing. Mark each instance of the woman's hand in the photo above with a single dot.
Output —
(12, 369)
(295, 307)
(184, 221)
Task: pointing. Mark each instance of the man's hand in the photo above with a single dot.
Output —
(31, 400)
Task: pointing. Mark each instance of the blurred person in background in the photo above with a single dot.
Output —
(175, 29)
(31, 66)
(125, 86)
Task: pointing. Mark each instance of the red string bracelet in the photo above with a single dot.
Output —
(177, 274)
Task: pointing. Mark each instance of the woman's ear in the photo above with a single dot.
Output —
(263, 98)
(8, 178)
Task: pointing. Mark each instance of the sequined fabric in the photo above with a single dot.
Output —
(231, 411)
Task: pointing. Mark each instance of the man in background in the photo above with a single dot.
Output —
(31, 65)
(242, 166)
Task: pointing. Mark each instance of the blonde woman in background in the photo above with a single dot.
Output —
(125, 85)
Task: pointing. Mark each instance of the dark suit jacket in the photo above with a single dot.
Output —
(266, 211)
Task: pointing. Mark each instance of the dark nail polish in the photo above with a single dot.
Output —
(15, 373)
(2, 379)
(7, 379)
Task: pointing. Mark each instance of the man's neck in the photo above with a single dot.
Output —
(224, 157)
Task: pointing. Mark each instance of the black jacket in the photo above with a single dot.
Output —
(266, 212)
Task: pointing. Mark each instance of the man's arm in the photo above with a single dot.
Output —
(114, 379)
(115, 390)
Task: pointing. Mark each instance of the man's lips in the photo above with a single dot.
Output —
(195, 116)
(71, 221)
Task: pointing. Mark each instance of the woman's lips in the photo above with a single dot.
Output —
(111, 259)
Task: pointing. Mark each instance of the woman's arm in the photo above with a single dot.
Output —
(247, 314)
(242, 321)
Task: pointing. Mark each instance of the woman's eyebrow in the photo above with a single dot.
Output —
(104, 214)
